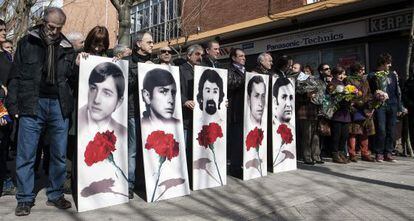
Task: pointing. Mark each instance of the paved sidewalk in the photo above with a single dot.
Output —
(356, 191)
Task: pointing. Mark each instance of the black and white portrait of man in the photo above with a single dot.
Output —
(105, 95)
(210, 95)
(159, 94)
(283, 100)
(256, 99)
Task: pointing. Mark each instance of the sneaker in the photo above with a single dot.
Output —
(379, 158)
(389, 158)
(23, 208)
(9, 191)
(60, 203)
(353, 158)
(367, 158)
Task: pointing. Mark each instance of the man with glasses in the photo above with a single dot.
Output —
(165, 55)
(141, 52)
(40, 98)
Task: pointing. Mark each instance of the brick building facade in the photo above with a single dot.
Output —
(83, 15)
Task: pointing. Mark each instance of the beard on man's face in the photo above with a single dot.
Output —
(211, 107)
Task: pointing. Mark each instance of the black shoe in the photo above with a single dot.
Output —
(60, 203)
(319, 162)
(131, 194)
(23, 208)
(309, 162)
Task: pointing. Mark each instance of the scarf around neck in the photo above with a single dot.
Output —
(50, 57)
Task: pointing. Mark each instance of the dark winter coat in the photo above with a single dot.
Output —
(26, 74)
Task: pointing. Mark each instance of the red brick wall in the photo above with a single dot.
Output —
(209, 15)
(83, 15)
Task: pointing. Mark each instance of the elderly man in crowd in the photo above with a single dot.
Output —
(141, 52)
(40, 97)
(211, 55)
(264, 63)
(77, 40)
(165, 55)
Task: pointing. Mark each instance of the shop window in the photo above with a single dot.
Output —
(344, 56)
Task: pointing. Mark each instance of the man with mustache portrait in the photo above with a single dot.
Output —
(210, 96)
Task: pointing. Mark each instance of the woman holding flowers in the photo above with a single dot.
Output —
(362, 124)
(342, 116)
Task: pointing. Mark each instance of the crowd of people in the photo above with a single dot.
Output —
(338, 110)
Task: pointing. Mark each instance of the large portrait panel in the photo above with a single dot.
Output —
(255, 126)
(283, 124)
(162, 132)
(102, 133)
(209, 127)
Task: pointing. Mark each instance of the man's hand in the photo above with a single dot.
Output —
(5, 90)
(2, 122)
(83, 55)
(189, 104)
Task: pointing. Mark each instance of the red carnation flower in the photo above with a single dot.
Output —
(100, 148)
(209, 134)
(285, 133)
(163, 144)
(254, 138)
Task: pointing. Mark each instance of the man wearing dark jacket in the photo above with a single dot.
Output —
(194, 57)
(141, 53)
(386, 115)
(236, 79)
(211, 55)
(5, 65)
(40, 97)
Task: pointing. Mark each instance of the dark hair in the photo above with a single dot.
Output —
(308, 67)
(98, 35)
(356, 67)
(2, 22)
(213, 77)
(233, 53)
(320, 67)
(106, 69)
(210, 43)
(280, 82)
(337, 71)
(257, 80)
(383, 59)
(156, 77)
(282, 62)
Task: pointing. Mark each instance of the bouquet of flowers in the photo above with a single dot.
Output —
(381, 79)
(311, 85)
(379, 99)
(4, 114)
(331, 103)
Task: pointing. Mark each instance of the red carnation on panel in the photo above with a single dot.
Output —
(165, 146)
(207, 137)
(101, 148)
(254, 140)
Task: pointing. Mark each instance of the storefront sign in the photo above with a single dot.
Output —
(357, 29)
(392, 22)
(312, 37)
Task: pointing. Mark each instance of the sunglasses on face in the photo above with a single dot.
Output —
(325, 69)
(165, 51)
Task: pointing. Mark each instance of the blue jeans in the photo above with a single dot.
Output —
(132, 152)
(49, 117)
(386, 120)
